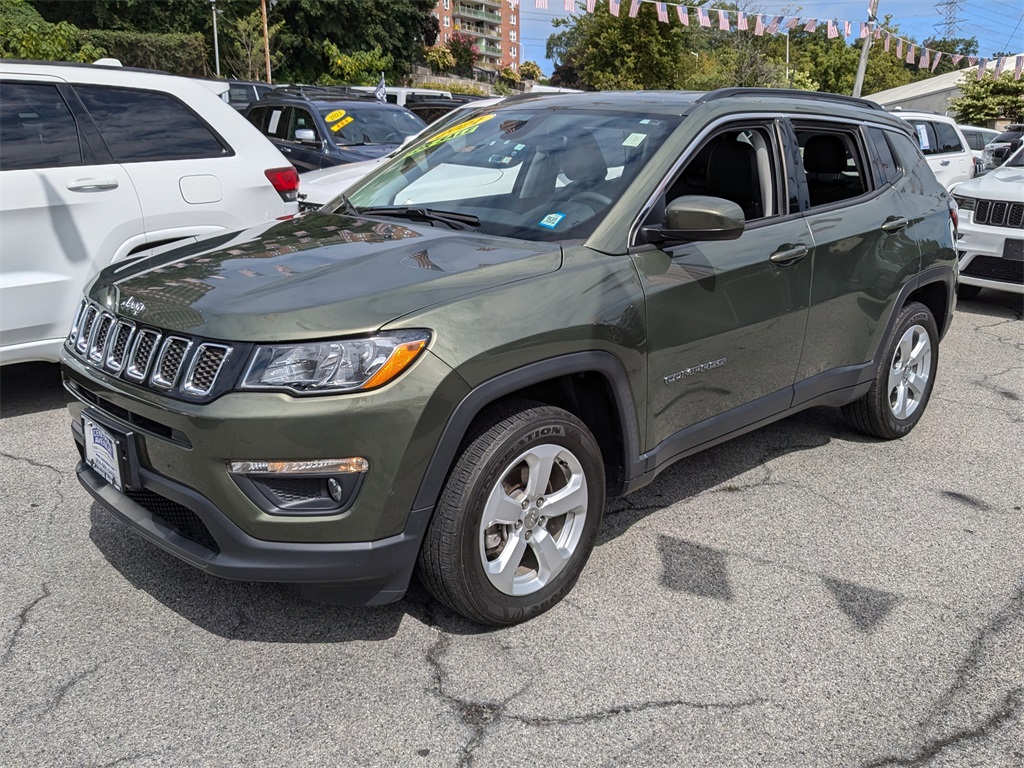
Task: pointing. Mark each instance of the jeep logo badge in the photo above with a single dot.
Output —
(133, 305)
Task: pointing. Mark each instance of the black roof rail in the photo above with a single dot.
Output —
(322, 92)
(789, 93)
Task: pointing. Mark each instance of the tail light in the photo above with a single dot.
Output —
(285, 181)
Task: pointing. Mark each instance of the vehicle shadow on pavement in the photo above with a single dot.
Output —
(270, 613)
(27, 388)
(713, 469)
(993, 304)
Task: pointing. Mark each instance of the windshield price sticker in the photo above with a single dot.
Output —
(462, 129)
(101, 452)
(922, 137)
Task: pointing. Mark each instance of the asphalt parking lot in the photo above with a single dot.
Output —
(801, 596)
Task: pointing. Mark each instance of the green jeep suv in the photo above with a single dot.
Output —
(449, 370)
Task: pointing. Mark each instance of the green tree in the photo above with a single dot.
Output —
(608, 52)
(440, 59)
(24, 34)
(463, 49)
(359, 68)
(244, 55)
(988, 99)
(530, 70)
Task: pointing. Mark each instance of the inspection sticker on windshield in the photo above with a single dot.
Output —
(552, 220)
(634, 140)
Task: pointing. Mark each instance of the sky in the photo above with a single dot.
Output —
(997, 24)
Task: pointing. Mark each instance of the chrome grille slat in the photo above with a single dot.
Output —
(73, 335)
(117, 355)
(145, 356)
(82, 343)
(169, 362)
(99, 337)
(141, 355)
(206, 364)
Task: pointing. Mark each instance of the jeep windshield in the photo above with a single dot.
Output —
(358, 125)
(534, 174)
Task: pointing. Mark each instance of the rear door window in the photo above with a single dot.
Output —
(37, 129)
(833, 163)
(948, 140)
(140, 126)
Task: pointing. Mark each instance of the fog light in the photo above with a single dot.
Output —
(334, 488)
(312, 467)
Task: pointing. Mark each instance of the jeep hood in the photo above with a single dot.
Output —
(1001, 184)
(315, 276)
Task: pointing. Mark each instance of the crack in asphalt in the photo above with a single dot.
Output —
(58, 698)
(480, 716)
(133, 758)
(978, 652)
(22, 618)
(985, 383)
(646, 706)
(998, 624)
(1011, 707)
(60, 501)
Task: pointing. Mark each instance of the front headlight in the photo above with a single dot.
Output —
(334, 366)
(965, 203)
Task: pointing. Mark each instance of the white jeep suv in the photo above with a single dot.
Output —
(991, 232)
(944, 146)
(98, 163)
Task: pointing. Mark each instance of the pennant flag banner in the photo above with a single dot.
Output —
(835, 28)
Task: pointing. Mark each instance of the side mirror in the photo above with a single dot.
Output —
(306, 136)
(696, 218)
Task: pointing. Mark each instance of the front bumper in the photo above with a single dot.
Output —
(981, 250)
(180, 496)
(359, 573)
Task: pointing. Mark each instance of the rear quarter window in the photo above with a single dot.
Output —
(140, 126)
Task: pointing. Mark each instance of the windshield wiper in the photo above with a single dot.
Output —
(453, 219)
(349, 209)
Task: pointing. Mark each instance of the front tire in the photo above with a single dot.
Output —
(903, 382)
(518, 516)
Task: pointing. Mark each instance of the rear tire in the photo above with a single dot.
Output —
(904, 379)
(518, 515)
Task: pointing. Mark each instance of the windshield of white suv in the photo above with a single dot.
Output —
(1017, 161)
(354, 125)
(533, 174)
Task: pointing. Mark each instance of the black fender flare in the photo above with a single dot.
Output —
(484, 394)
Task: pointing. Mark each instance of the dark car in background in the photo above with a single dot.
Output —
(1003, 145)
(241, 93)
(321, 127)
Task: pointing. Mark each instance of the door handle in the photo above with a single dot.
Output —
(788, 254)
(894, 224)
(80, 185)
(944, 162)
(286, 150)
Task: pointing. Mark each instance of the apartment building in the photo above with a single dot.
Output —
(494, 24)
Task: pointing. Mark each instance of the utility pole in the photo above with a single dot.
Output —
(862, 65)
(266, 38)
(216, 46)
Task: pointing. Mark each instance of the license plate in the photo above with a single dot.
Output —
(1013, 250)
(102, 452)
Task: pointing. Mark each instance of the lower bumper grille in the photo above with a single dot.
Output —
(181, 518)
(995, 268)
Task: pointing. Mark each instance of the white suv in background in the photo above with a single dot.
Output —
(100, 162)
(944, 146)
(991, 233)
